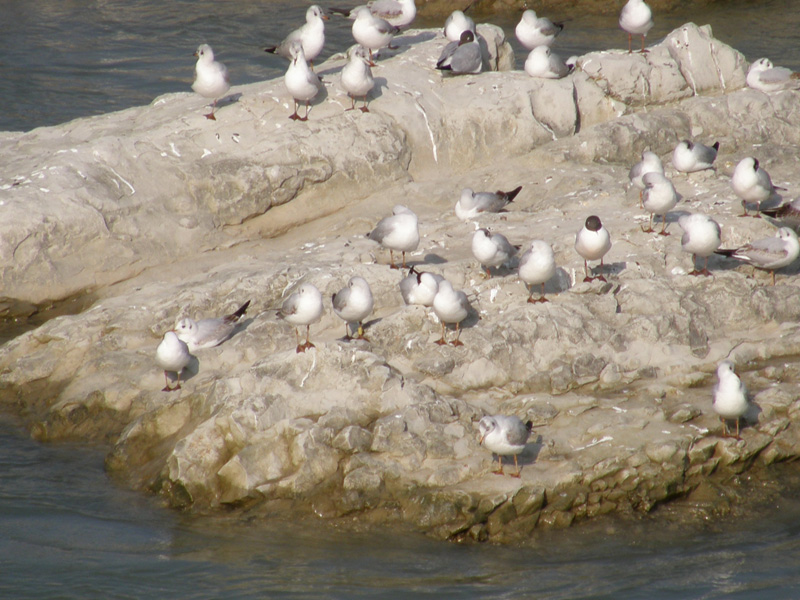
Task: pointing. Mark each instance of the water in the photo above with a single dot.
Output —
(62, 59)
(67, 532)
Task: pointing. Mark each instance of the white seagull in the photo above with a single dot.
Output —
(701, 237)
(752, 184)
(470, 204)
(491, 249)
(311, 36)
(729, 397)
(537, 266)
(764, 77)
(461, 57)
(370, 31)
(210, 77)
(303, 307)
(650, 163)
(451, 306)
(636, 18)
(546, 64)
(659, 197)
(207, 333)
(533, 31)
(456, 24)
(592, 242)
(400, 13)
(357, 78)
(398, 232)
(301, 82)
(419, 287)
(769, 253)
(173, 356)
(689, 157)
(504, 435)
(353, 303)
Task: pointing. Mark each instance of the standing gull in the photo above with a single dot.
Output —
(207, 333)
(504, 435)
(491, 249)
(303, 307)
(546, 64)
(173, 356)
(400, 13)
(456, 24)
(461, 57)
(650, 163)
(210, 77)
(311, 35)
(451, 306)
(370, 31)
(752, 184)
(398, 232)
(636, 18)
(729, 396)
(764, 77)
(470, 204)
(357, 78)
(533, 31)
(353, 303)
(768, 253)
(659, 198)
(536, 267)
(701, 237)
(301, 82)
(689, 157)
(419, 287)
(592, 242)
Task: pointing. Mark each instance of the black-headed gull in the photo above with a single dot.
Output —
(769, 253)
(763, 76)
(398, 232)
(701, 237)
(357, 79)
(451, 306)
(592, 242)
(504, 435)
(370, 31)
(353, 303)
(470, 204)
(650, 163)
(729, 396)
(537, 265)
(207, 333)
(636, 18)
(173, 356)
(689, 156)
(659, 197)
(419, 287)
(311, 35)
(301, 82)
(546, 64)
(302, 307)
(491, 249)
(533, 31)
(752, 184)
(210, 77)
(462, 57)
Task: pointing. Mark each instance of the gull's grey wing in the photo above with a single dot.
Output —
(467, 58)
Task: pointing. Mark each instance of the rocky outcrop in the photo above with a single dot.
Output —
(161, 214)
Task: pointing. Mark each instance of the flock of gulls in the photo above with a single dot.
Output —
(374, 27)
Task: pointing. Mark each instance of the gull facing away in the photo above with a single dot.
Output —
(764, 77)
(504, 435)
(419, 287)
(303, 307)
(210, 77)
(301, 82)
(592, 242)
(398, 232)
(701, 237)
(491, 249)
(536, 267)
(546, 64)
(636, 18)
(353, 303)
(173, 356)
(357, 78)
(451, 306)
(470, 204)
(456, 24)
(533, 31)
(650, 163)
(769, 253)
(729, 397)
(311, 35)
(400, 13)
(787, 214)
(752, 184)
(659, 197)
(370, 31)
(207, 333)
(462, 57)
(689, 157)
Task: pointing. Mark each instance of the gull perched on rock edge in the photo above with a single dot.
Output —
(303, 307)
(462, 57)
(353, 303)
(504, 435)
(636, 18)
(536, 267)
(357, 79)
(301, 82)
(729, 397)
(769, 253)
(451, 306)
(210, 77)
(752, 184)
(533, 31)
(173, 356)
(764, 77)
(456, 24)
(592, 242)
(470, 203)
(546, 64)
(207, 333)
(311, 35)
(689, 156)
(398, 232)
(701, 237)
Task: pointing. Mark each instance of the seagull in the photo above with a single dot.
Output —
(545, 64)
(451, 306)
(456, 24)
(470, 204)
(357, 78)
(370, 31)
(419, 287)
(752, 184)
(536, 267)
(303, 307)
(207, 333)
(788, 214)
(689, 157)
(353, 303)
(533, 31)
(636, 18)
(398, 232)
(461, 57)
(491, 249)
(768, 253)
(659, 198)
(504, 435)
(173, 356)
(311, 35)
(764, 77)
(400, 13)
(303, 84)
(592, 242)
(210, 77)
(650, 163)
(729, 396)
(701, 237)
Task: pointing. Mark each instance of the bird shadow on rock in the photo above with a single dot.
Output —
(229, 99)
(560, 282)
(241, 326)
(531, 452)
(433, 259)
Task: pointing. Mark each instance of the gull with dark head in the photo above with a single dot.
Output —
(701, 237)
(592, 242)
(173, 356)
(398, 232)
(353, 303)
(504, 435)
(207, 333)
(462, 57)
(303, 307)
(210, 77)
